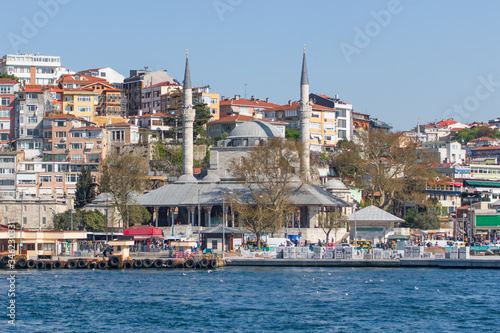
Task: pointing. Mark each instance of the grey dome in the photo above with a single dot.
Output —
(186, 179)
(210, 178)
(254, 129)
(335, 184)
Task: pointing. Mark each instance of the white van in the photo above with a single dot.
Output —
(275, 242)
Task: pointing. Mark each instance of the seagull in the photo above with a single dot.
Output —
(55, 276)
(184, 274)
(313, 279)
(139, 281)
(371, 280)
(221, 280)
(329, 273)
(381, 280)
(347, 294)
(209, 271)
(416, 288)
(317, 292)
(438, 290)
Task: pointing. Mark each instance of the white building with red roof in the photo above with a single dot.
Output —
(244, 107)
(108, 74)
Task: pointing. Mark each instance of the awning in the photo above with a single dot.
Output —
(144, 230)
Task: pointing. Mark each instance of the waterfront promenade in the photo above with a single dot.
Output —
(473, 262)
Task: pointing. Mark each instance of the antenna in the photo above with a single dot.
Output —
(245, 90)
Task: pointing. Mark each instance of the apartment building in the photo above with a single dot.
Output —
(9, 164)
(323, 123)
(138, 80)
(32, 103)
(245, 107)
(174, 100)
(109, 103)
(8, 90)
(33, 69)
(151, 97)
(80, 102)
(343, 112)
(108, 74)
(69, 144)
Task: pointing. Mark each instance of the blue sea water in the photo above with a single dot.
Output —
(254, 299)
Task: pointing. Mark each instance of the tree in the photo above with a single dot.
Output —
(329, 221)
(201, 119)
(9, 76)
(125, 177)
(292, 134)
(467, 134)
(426, 221)
(387, 164)
(85, 188)
(267, 174)
(88, 220)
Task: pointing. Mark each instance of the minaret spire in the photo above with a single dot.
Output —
(187, 115)
(305, 111)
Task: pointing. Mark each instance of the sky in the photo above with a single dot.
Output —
(399, 61)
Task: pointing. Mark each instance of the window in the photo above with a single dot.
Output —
(76, 134)
(44, 220)
(76, 145)
(5, 101)
(83, 99)
(84, 109)
(30, 247)
(342, 123)
(32, 108)
(32, 120)
(71, 178)
(33, 96)
(59, 179)
(25, 219)
(45, 179)
(60, 146)
(60, 134)
(60, 123)
(49, 247)
(76, 157)
(342, 134)
(47, 146)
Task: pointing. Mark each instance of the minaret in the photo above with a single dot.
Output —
(187, 116)
(304, 111)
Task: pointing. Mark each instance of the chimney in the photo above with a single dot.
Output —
(290, 102)
(267, 99)
(237, 97)
(222, 98)
(336, 96)
(253, 98)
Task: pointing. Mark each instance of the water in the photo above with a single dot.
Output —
(253, 299)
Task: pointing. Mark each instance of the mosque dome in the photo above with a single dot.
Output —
(210, 178)
(254, 129)
(335, 184)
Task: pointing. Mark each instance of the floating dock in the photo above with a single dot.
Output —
(482, 262)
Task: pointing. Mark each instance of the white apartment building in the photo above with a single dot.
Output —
(33, 69)
(108, 74)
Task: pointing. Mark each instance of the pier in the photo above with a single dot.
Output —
(480, 262)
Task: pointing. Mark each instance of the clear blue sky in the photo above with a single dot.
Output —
(417, 63)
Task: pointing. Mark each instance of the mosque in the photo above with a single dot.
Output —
(201, 203)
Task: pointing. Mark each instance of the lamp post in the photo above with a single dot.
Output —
(199, 214)
(223, 220)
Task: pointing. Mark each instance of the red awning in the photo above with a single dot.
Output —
(454, 184)
(142, 230)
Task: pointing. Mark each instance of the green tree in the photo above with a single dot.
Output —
(329, 221)
(292, 134)
(426, 221)
(88, 220)
(387, 164)
(267, 173)
(125, 177)
(201, 119)
(467, 134)
(9, 76)
(85, 188)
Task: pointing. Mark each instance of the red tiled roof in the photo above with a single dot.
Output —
(242, 118)
(163, 84)
(69, 78)
(33, 87)
(483, 138)
(447, 122)
(295, 105)
(7, 81)
(247, 102)
(57, 116)
(157, 114)
(487, 148)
